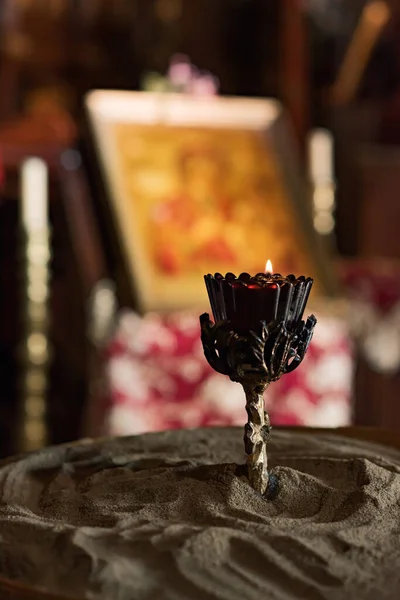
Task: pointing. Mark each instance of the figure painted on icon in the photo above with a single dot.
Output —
(199, 199)
(195, 227)
(219, 218)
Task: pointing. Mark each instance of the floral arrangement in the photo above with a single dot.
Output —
(182, 77)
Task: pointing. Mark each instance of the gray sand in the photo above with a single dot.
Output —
(170, 516)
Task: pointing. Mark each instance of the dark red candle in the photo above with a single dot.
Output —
(247, 301)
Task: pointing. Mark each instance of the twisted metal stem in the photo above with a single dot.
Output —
(256, 433)
(255, 359)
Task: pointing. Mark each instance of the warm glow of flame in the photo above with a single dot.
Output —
(268, 267)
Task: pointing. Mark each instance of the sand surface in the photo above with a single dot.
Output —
(169, 516)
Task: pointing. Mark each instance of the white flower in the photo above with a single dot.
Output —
(221, 394)
(329, 332)
(125, 420)
(128, 323)
(139, 334)
(332, 411)
(330, 373)
(296, 402)
(159, 379)
(190, 369)
(186, 322)
(382, 348)
(190, 414)
(126, 376)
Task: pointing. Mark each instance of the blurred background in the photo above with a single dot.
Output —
(70, 360)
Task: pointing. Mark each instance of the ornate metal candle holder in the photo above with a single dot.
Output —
(258, 335)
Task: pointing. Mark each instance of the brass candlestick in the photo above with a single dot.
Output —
(258, 335)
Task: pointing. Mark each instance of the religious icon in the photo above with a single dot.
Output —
(204, 194)
(196, 215)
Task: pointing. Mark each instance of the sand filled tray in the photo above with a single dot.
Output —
(171, 515)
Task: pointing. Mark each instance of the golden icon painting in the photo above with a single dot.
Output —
(198, 185)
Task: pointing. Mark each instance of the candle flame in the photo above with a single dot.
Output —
(268, 267)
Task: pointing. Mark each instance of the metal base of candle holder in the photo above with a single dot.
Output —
(254, 360)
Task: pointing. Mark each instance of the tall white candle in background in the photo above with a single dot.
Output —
(321, 156)
(322, 180)
(34, 191)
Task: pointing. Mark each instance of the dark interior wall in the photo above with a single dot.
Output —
(8, 322)
(234, 39)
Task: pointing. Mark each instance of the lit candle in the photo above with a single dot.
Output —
(246, 301)
(34, 192)
(265, 297)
